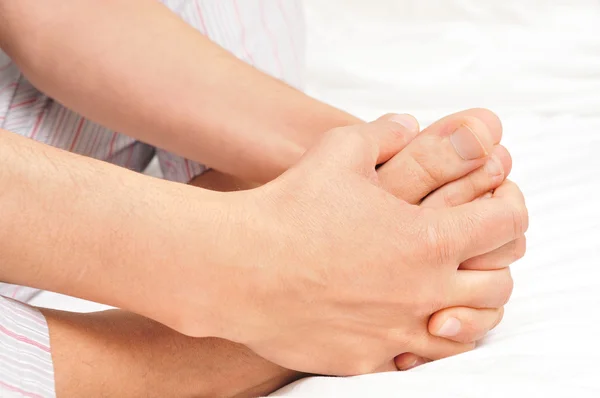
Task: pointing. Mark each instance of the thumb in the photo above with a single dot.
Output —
(362, 147)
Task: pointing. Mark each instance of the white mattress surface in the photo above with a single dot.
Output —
(537, 64)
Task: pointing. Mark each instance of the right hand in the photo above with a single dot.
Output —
(334, 275)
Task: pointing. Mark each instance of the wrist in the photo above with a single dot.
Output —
(184, 274)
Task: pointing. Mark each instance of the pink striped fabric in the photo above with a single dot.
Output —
(268, 34)
(25, 362)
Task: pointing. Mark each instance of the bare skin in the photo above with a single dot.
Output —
(118, 353)
(255, 374)
(246, 373)
(194, 131)
(472, 324)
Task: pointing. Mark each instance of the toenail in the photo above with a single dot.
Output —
(494, 167)
(407, 121)
(415, 363)
(450, 328)
(467, 144)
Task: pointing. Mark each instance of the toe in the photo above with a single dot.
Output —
(475, 184)
(408, 361)
(447, 150)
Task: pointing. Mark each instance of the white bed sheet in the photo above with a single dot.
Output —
(537, 63)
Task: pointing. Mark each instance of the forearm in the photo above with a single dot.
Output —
(89, 229)
(134, 66)
(116, 353)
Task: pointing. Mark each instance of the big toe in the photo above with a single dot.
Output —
(445, 151)
(475, 184)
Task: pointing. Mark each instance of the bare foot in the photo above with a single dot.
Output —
(455, 161)
(452, 162)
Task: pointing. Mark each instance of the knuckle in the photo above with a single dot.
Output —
(452, 197)
(397, 131)
(499, 318)
(431, 173)
(436, 241)
(506, 288)
(520, 247)
(520, 220)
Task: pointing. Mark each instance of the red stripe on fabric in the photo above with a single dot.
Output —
(201, 18)
(111, 148)
(243, 32)
(59, 123)
(93, 145)
(24, 339)
(8, 86)
(272, 37)
(77, 132)
(169, 164)
(17, 288)
(20, 104)
(29, 316)
(17, 389)
(37, 124)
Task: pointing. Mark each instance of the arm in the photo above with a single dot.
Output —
(92, 230)
(123, 354)
(135, 67)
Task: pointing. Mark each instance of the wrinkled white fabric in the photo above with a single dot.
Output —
(537, 64)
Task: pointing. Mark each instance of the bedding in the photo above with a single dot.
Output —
(537, 64)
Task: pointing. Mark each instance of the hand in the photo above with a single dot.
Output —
(429, 172)
(336, 276)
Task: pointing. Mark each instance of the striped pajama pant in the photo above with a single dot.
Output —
(268, 34)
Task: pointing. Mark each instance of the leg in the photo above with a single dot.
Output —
(123, 354)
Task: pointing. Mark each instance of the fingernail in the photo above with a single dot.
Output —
(408, 121)
(467, 144)
(493, 167)
(450, 328)
(416, 362)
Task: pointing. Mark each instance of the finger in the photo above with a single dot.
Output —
(395, 131)
(435, 348)
(463, 324)
(475, 184)
(445, 151)
(362, 147)
(480, 226)
(408, 361)
(499, 258)
(481, 289)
